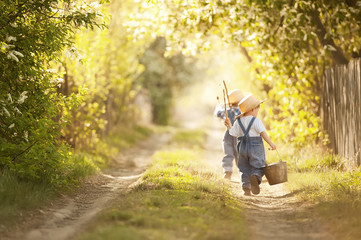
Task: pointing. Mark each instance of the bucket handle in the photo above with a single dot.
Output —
(279, 157)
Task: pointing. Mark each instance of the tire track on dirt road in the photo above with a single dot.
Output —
(67, 215)
(274, 214)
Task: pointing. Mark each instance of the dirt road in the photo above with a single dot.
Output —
(273, 214)
(66, 216)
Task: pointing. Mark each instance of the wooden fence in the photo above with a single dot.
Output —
(341, 110)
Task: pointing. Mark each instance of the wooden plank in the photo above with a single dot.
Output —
(341, 111)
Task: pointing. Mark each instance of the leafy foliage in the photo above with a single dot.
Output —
(32, 34)
(289, 43)
(104, 63)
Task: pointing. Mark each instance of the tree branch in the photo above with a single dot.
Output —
(282, 19)
(249, 59)
(14, 159)
(337, 55)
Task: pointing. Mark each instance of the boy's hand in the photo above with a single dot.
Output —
(272, 147)
(227, 123)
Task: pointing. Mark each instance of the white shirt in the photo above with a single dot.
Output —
(255, 131)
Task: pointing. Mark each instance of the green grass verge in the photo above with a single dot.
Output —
(18, 196)
(320, 177)
(189, 138)
(177, 198)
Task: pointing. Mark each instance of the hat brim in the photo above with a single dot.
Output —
(242, 114)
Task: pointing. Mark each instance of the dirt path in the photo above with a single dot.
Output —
(69, 214)
(273, 214)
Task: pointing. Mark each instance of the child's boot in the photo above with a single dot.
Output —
(227, 175)
(247, 191)
(254, 184)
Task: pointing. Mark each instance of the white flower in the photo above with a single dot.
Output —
(10, 38)
(57, 81)
(6, 112)
(18, 53)
(12, 56)
(51, 70)
(10, 98)
(95, 5)
(26, 135)
(22, 97)
(17, 110)
(14, 25)
(12, 125)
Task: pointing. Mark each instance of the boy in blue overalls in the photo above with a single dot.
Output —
(251, 154)
(229, 142)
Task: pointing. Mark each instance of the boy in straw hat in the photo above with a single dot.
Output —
(251, 154)
(229, 142)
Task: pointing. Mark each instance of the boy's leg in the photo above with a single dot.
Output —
(245, 170)
(259, 172)
(257, 161)
(228, 149)
(245, 180)
(254, 184)
(256, 170)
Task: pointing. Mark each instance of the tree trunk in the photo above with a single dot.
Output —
(337, 55)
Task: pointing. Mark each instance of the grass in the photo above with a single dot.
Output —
(170, 214)
(119, 140)
(189, 138)
(318, 176)
(177, 198)
(18, 196)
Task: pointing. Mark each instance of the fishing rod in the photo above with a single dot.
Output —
(225, 88)
(225, 104)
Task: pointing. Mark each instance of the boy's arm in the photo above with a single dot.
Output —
(219, 112)
(268, 140)
(228, 123)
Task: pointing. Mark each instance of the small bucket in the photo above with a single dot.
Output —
(276, 172)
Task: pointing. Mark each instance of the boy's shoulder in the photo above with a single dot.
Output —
(249, 119)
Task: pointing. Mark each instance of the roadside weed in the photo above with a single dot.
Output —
(17, 196)
(320, 177)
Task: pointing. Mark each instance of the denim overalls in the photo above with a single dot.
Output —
(251, 155)
(229, 142)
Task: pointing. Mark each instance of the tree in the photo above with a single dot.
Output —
(32, 34)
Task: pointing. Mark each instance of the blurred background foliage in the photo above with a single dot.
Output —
(288, 43)
(71, 75)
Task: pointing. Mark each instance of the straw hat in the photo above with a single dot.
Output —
(235, 96)
(248, 103)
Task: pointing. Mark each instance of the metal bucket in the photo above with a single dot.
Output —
(276, 173)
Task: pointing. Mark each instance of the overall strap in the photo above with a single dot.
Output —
(230, 115)
(242, 127)
(250, 124)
